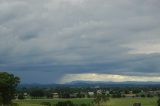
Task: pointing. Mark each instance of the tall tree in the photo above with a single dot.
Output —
(158, 101)
(8, 84)
(101, 98)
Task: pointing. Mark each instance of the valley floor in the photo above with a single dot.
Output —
(111, 102)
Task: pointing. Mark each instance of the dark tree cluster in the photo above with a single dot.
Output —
(8, 84)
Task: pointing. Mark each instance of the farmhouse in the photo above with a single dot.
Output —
(91, 93)
(154, 92)
(107, 92)
(99, 91)
(55, 95)
(25, 95)
(73, 95)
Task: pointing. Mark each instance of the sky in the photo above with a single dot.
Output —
(59, 41)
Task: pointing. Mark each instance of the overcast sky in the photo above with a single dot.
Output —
(58, 41)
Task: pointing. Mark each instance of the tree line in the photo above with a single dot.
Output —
(9, 83)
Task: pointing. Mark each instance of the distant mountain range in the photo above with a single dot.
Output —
(94, 84)
(102, 82)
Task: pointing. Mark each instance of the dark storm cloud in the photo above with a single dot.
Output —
(57, 37)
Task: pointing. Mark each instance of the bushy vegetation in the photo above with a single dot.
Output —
(158, 101)
(46, 104)
(65, 103)
(8, 84)
(100, 98)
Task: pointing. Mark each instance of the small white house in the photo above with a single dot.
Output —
(107, 92)
(91, 93)
(99, 91)
(25, 95)
(55, 95)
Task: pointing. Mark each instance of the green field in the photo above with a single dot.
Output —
(111, 102)
(37, 102)
(130, 101)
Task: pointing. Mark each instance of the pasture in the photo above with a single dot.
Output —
(111, 102)
(130, 101)
(37, 102)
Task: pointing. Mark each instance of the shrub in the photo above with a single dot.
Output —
(46, 103)
(85, 105)
(158, 101)
(14, 104)
(143, 96)
(65, 103)
(21, 96)
(150, 96)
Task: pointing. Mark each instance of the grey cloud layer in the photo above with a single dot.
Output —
(55, 37)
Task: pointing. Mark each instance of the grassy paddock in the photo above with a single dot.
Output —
(111, 102)
(36, 102)
(130, 101)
